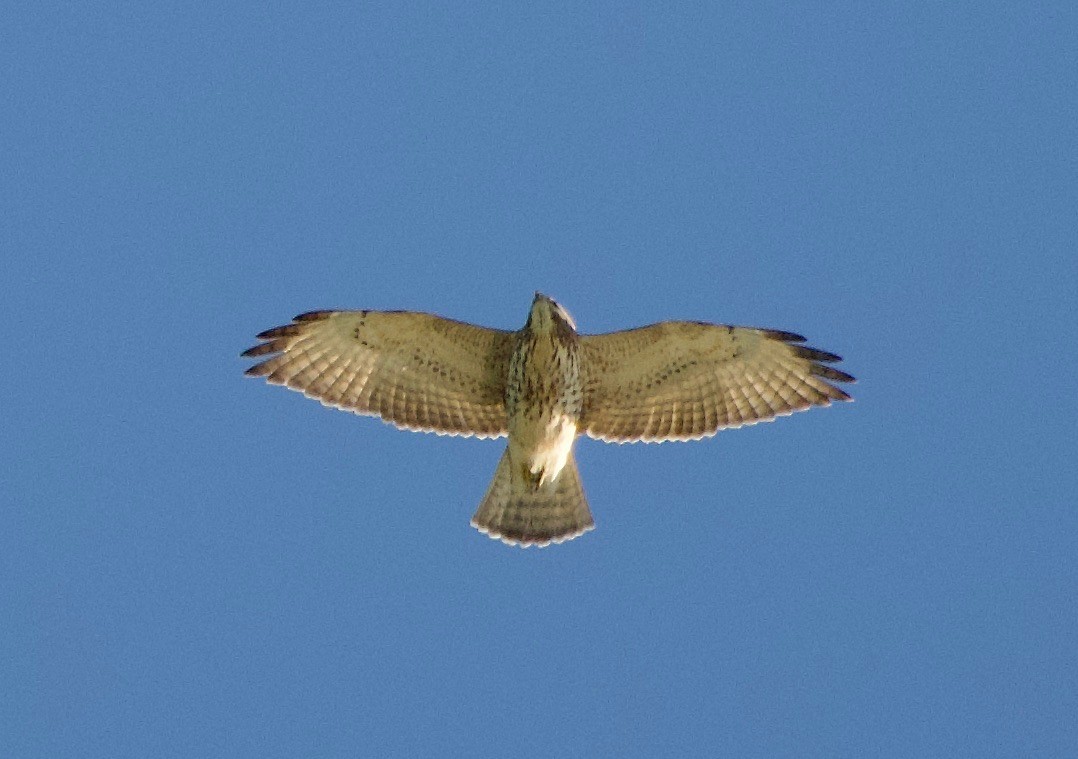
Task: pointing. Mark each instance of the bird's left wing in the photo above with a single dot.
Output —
(417, 371)
(687, 380)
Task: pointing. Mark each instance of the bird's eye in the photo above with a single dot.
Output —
(565, 315)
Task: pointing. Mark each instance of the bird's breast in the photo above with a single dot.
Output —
(544, 398)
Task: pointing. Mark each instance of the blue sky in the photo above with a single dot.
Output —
(194, 564)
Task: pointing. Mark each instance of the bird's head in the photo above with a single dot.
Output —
(547, 314)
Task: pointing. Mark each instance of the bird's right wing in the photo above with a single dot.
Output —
(417, 371)
(687, 380)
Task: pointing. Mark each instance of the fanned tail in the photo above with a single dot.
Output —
(518, 514)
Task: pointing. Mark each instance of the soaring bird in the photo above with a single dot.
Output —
(542, 386)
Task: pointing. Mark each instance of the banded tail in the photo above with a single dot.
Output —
(518, 513)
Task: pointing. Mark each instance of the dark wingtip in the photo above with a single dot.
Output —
(287, 330)
(277, 340)
(260, 350)
(829, 372)
(813, 354)
(258, 370)
(313, 316)
(839, 395)
(817, 359)
(786, 337)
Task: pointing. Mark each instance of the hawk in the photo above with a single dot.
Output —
(543, 385)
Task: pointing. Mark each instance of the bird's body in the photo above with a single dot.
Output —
(541, 387)
(544, 393)
(536, 495)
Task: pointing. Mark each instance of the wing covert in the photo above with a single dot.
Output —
(688, 380)
(417, 371)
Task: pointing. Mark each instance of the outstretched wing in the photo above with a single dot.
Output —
(417, 371)
(688, 380)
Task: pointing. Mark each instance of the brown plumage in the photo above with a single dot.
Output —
(542, 386)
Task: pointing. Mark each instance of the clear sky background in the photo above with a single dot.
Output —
(195, 564)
